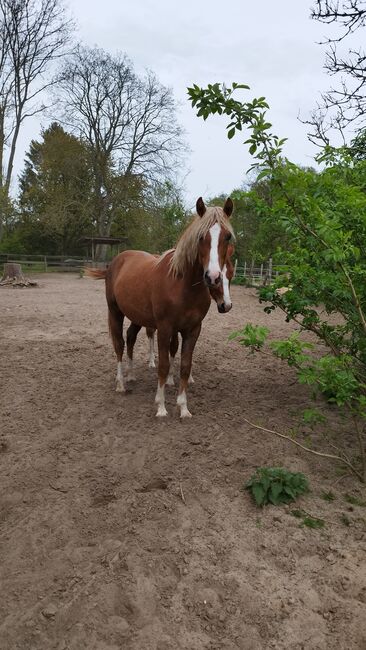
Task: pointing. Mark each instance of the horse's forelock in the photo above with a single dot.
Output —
(186, 250)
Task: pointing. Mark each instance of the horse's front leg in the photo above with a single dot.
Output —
(150, 335)
(174, 344)
(188, 345)
(164, 336)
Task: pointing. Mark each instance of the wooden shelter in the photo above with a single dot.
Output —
(93, 241)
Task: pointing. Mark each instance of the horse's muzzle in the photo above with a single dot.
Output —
(223, 308)
(213, 280)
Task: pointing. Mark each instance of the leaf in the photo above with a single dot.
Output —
(263, 174)
(258, 494)
(274, 493)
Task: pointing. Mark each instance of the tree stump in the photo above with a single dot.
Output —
(12, 271)
(13, 275)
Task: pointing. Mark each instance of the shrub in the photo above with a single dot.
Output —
(276, 485)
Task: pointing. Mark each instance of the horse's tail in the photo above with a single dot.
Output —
(97, 274)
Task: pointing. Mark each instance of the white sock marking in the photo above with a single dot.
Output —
(160, 401)
(182, 402)
(151, 352)
(170, 380)
(120, 387)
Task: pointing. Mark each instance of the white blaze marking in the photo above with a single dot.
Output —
(225, 281)
(213, 263)
(182, 402)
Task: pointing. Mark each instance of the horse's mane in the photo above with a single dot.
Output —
(186, 250)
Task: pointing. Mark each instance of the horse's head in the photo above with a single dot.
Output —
(213, 244)
(221, 292)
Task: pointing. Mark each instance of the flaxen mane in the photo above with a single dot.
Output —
(186, 250)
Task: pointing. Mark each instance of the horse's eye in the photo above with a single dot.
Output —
(228, 237)
(201, 238)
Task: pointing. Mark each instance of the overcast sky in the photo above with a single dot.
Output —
(271, 46)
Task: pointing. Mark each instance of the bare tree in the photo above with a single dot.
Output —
(129, 123)
(346, 103)
(32, 34)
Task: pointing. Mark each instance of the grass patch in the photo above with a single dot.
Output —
(308, 520)
(355, 501)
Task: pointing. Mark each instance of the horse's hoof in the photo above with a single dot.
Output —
(131, 378)
(120, 387)
(152, 364)
(185, 414)
(170, 381)
(190, 379)
(162, 412)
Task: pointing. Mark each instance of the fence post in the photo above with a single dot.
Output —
(45, 263)
(251, 272)
(270, 269)
(245, 269)
(261, 273)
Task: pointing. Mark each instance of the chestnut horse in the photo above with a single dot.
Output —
(220, 293)
(169, 294)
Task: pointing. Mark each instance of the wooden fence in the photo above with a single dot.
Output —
(256, 274)
(252, 273)
(46, 262)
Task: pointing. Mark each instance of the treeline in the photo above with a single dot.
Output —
(56, 203)
(108, 162)
(56, 206)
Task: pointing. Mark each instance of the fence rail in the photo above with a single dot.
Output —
(253, 273)
(46, 262)
(262, 274)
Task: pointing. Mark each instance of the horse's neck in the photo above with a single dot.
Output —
(193, 277)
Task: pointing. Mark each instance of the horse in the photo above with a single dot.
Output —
(170, 294)
(219, 293)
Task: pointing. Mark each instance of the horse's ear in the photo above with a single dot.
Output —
(200, 207)
(228, 207)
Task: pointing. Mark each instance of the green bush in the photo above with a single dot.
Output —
(323, 259)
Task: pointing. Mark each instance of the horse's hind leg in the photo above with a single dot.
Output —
(150, 335)
(132, 333)
(188, 345)
(174, 343)
(115, 318)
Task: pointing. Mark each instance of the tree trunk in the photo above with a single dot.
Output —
(12, 272)
(13, 276)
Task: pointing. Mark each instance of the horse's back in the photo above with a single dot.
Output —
(129, 285)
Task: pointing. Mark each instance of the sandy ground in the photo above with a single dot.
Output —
(121, 531)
